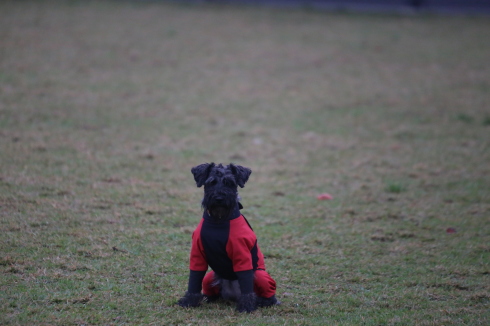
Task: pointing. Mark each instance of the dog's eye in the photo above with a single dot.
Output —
(210, 182)
(229, 182)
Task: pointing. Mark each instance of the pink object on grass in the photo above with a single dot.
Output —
(324, 197)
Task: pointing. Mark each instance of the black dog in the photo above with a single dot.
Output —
(225, 241)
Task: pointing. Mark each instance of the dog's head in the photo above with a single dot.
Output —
(220, 186)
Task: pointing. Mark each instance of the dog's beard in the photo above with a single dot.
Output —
(219, 207)
(219, 212)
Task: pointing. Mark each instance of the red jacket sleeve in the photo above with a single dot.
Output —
(198, 258)
(240, 243)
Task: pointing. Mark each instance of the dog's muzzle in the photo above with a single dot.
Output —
(219, 212)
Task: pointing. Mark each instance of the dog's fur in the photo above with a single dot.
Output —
(220, 187)
(220, 202)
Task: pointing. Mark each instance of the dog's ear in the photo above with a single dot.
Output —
(201, 173)
(241, 174)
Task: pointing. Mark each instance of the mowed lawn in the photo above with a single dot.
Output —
(105, 107)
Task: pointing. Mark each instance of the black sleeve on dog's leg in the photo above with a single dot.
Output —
(195, 281)
(246, 281)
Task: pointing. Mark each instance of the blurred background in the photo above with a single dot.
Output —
(434, 6)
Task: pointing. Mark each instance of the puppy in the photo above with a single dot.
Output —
(225, 241)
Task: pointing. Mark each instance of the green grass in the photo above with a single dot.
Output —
(105, 107)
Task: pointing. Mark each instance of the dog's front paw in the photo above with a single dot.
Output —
(247, 302)
(267, 302)
(190, 300)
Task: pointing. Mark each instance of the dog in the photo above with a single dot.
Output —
(225, 241)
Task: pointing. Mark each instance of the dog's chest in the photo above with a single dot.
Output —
(215, 236)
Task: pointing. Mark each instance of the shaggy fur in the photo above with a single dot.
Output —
(230, 290)
(220, 187)
(191, 300)
(247, 302)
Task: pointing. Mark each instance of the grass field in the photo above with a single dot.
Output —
(105, 107)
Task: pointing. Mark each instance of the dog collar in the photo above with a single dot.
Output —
(233, 214)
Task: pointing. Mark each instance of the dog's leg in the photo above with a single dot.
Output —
(216, 282)
(247, 302)
(193, 296)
